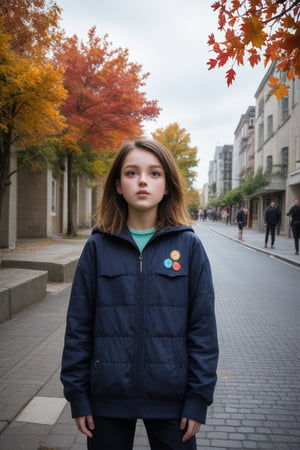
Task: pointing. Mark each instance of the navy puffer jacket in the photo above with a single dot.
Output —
(141, 339)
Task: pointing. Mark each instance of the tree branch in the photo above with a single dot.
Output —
(282, 13)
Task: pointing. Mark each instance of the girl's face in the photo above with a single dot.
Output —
(142, 181)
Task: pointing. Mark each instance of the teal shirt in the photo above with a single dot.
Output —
(142, 237)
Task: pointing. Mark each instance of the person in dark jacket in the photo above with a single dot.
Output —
(241, 222)
(294, 212)
(141, 336)
(272, 220)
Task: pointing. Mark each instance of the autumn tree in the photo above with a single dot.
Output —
(105, 102)
(32, 25)
(178, 141)
(31, 89)
(254, 30)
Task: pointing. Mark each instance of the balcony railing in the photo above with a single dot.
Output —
(277, 170)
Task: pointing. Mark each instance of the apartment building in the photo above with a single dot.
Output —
(220, 171)
(243, 147)
(277, 148)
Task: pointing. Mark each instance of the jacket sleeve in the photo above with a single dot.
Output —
(202, 340)
(266, 215)
(75, 371)
(279, 215)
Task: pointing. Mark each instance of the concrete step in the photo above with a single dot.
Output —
(20, 288)
(58, 272)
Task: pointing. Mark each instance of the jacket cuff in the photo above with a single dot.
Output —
(80, 406)
(195, 408)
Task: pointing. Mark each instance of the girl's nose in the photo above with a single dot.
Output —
(142, 179)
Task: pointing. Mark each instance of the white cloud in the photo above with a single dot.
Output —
(169, 39)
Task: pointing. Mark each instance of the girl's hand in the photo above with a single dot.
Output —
(85, 424)
(192, 427)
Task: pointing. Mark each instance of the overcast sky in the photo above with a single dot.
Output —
(169, 39)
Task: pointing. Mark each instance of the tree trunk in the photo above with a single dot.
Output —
(70, 229)
(5, 144)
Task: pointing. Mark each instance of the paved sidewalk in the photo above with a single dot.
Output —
(284, 246)
(30, 353)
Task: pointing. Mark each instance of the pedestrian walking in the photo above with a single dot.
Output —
(241, 221)
(294, 212)
(141, 338)
(272, 220)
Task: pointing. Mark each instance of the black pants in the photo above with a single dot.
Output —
(296, 234)
(118, 434)
(270, 228)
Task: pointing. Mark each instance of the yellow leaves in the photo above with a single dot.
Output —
(31, 95)
(70, 140)
(253, 32)
(177, 140)
(277, 88)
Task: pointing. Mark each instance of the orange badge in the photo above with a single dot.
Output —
(175, 255)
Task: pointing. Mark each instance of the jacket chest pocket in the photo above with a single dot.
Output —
(116, 289)
(168, 288)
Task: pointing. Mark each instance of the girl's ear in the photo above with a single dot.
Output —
(118, 187)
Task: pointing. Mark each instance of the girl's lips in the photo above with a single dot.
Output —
(142, 193)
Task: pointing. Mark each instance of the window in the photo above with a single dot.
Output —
(269, 165)
(270, 125)
(53, 197)
(260, 134)
(284, 161)
(261, 106)
(284, 108)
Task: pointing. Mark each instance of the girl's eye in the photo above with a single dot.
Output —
(131, 173)
(155, 173)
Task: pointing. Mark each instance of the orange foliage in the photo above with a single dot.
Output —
(258, 28)
(277, 88)
(33, 25)
(104, 104)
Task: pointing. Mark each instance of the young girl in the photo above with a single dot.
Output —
(141, 339)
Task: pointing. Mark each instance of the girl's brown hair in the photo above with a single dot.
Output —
(112, 211)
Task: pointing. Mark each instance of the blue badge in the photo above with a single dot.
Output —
(168, 263)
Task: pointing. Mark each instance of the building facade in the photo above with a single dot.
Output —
(277, 148)
(220, 171)
(243, 147)
(35, 205)
(267, 138)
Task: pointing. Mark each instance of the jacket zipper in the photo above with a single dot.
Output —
(140, 345)
(141, 262)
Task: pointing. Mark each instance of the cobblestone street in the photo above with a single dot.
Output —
(258, 391)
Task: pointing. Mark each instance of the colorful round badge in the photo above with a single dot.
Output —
(168, 263)
(172, 262)
(175, 255)
(176, 266)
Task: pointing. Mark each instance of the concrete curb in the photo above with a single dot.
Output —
(258, 249)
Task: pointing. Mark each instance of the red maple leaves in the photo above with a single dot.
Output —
(256, 30)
